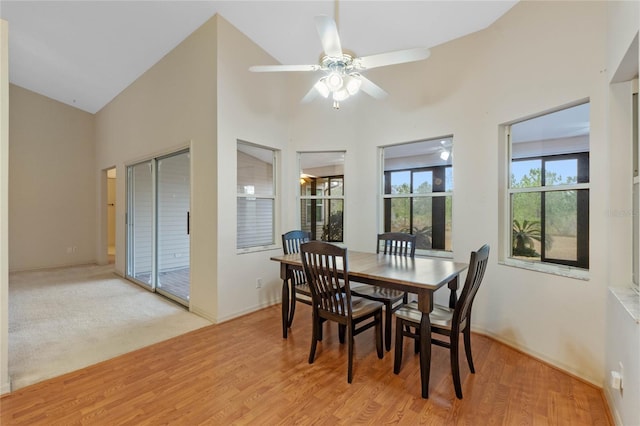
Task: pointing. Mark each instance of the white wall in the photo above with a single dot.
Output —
(52, 194)
(202, 93)
(5, 385)
(623, 347)
(170, 107)
(622, 344)
(526, 63)
(252, 107)
(623, 17)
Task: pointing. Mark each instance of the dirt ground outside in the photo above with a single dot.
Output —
(562, 247)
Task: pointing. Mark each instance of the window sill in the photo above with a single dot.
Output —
(435, 253)
(564, 271)
(256, 249)
(629, 299)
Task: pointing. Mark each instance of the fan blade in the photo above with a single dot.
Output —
(328, 32)
(274, 68)
(311, 95)
(392, 58)
(372, 89)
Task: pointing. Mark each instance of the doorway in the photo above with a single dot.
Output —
(158, 241)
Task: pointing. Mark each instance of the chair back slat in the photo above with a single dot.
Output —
(291, 242)
(323, 263)
(475, 273)
(397, 243)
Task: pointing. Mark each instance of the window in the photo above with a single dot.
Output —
(322, 195)
(418, 192)
(256, 196)
(549, 188)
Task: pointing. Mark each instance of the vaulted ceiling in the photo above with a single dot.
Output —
(84, 53)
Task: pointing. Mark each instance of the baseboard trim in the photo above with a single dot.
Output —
(567, 369)
(53, 267)
(247, 311)
(5, 387)
(202, 313)
(613, 413)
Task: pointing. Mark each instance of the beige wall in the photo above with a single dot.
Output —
(526, 63)
(252, 107)
(622, 27)
(622, 344)
(4, 208)
(52, 188)
(171, 106)
(202, 94)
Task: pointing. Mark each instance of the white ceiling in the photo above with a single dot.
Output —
(83, 53)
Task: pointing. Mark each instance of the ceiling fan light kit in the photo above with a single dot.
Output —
(445, 150)
(342, 72)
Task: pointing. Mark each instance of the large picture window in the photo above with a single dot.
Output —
(322, 195)
(549, 188)
(418, 192)
(256, 196)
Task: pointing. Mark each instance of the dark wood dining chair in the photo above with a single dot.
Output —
(445, 321)
(325, 267)
(299, 289)
(397, 244)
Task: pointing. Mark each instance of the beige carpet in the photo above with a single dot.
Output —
(64, 319)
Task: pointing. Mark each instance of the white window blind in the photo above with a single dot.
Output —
(255, 196)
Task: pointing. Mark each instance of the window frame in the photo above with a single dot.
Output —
(506, 191)
(385, 198)
(437, 192)
(582, 200)
(259, 196)
(323, 201)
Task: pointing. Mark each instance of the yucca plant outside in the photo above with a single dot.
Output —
(524, 235)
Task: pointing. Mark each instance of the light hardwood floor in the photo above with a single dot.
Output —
(243, 372)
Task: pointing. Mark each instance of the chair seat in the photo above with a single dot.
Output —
(440, 317)
(303, 289)
(378, 292)
(361, 307)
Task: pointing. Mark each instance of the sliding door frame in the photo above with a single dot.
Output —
(130, 249)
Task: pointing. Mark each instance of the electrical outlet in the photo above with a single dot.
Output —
(69, 250)
(259, 283)
(621, 375)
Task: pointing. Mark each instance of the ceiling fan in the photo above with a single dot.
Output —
(342, 71)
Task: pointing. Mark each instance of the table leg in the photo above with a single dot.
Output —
(285, 307)
(425, 305)
(453, 297)
(425, 353)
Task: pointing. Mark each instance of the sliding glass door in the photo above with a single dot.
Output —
(173, 225)
(140, 223)
(158, 241)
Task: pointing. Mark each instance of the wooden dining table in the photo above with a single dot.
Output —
(420, 276)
